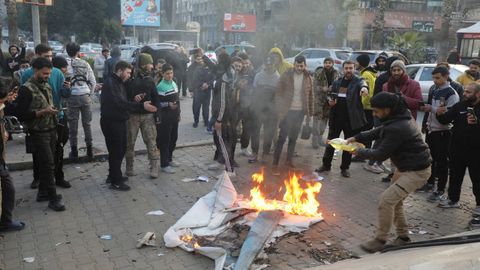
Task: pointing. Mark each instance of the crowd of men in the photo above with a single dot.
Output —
(374, 105)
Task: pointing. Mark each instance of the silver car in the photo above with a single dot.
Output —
(422, 73)
(315, 57)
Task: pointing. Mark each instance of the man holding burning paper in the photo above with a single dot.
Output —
(402, 142)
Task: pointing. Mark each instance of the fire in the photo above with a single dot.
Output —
(190, 240)
(296, 200)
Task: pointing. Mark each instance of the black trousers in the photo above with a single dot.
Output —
(439, 141)
(167, 135)
(246, 119)
(44, 144)
(201, 100)
(460, 160)
(229, 137)
(115, 133)
(368, 126)
(268, 120)
(8, 195)
(335, 129)
(289, 128)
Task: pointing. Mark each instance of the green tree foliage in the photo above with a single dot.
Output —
(410, 42)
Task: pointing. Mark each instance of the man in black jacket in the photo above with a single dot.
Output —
(346, 114)
(202, 88)
(115, 110)
(464, 144)
(402, 142)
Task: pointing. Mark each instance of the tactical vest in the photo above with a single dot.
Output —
(41, 99)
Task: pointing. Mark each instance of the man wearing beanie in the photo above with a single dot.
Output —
(402, 142)
(140, 89)
(369, 75)
(399, 82)
(322, 85)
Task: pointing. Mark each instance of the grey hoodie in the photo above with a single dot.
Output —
(264, 90)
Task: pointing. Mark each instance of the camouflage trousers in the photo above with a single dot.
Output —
(146, 124)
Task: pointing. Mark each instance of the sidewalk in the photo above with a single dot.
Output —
(70, 240)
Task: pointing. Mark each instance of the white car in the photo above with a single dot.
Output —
(422, 73)
(56, 46)
(315, 57)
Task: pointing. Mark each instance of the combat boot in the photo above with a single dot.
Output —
(154, 168)
(89, 151)
(129, 167)
(73, 152)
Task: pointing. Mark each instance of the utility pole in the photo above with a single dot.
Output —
(36, 22)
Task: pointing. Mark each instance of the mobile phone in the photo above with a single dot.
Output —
(14, 90)
(442, 101)
(471, 111)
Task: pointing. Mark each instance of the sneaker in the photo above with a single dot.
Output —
(373, 246)
(231, 174)
(384, 168)
(437, 196)
(174, 164)
(213, 167)
(474, 223)
(400, 241)
(449, 204)
(426, 188)
(387, 179)
(168, 170)
(209, 131)
(373, 168)
(253, 159)
(120, 186)
(275, 171)
(63, 183)
(45, 198)
(345, 173)
(245, 152)
(476, 211)
(323, 169)
(109, 180)
(35, 183)
(195, 125)
(56, 205)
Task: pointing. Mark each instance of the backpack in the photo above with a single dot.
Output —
(79, 73)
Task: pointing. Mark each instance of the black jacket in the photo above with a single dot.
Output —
(354, 102)
(114, 105)
(465, 137)
(202, 75)
(400, 140)
(142, 84)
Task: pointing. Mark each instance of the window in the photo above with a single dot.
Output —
(319, 54)
(342, 55)
(412, 72)
(307, 54)
(426, 74)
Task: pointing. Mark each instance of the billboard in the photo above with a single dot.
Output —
(140, 12)
(235, 22)
(38, 2)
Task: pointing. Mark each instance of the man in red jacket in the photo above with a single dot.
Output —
(400, 82)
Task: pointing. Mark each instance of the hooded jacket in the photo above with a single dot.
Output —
(284, 65)
(411, 92)
(369, 75)
(467, 78)
(13, 63)
(284, 94)
(109, 67)
(143, 84)
(400, 140)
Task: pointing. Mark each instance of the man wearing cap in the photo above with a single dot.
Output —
(142, 88)
(322, 85)
(401, 141)
(399, 82)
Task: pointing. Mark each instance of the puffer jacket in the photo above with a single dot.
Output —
(400, 140)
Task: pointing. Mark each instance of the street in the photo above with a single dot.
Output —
(71, 239)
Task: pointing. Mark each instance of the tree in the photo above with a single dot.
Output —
(410, 43)
(379, 24)
(12, 21)
(447, 9)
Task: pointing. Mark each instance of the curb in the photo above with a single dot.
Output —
(101, 157)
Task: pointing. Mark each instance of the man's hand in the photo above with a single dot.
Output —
(441, 110)
(364, 92)
(471, 119)
(47, 111)
(173, 105)
(66, 84)
(426, 108)
(147, 105)
(12, 95)
(5, 136)
(351, 140)
(139, 97)
(218, 126)
(332, 103)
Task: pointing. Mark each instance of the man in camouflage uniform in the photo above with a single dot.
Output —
(142, 88)
(321, 110)
(36, 110)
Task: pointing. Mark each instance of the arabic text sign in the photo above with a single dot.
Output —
(234, 22)
(140, 12)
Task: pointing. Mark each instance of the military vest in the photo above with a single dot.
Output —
(41, 99)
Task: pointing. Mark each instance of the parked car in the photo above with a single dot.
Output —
(90, 50)
(128, 52)
(56, 46)
(29, 45)
(423, 74)
(315, 57)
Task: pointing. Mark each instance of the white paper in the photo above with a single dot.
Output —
(155, 213)
(29, 259)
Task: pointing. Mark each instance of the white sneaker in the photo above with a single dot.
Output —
(169, 170)
(384, 168)
(373, 168)
(246, 152)
(174, 164)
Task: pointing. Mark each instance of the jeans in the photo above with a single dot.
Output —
(201, 100)
(318, 129)
(390, 208)
(439, 141)
(115, 133)
(79, 105)
(167, 135)
(290, 127)
(268, 120)
(8, 195)
(460, 160)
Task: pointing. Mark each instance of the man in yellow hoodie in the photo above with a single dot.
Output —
(279, 61)
(471, 75)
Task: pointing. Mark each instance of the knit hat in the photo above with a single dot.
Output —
(400, 64)
(384, 100)
(382, 55)
(363, 60)
(144, 59)
(328, 59)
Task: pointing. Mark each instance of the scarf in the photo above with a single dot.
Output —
(392, 83)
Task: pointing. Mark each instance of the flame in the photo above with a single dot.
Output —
(190, 240)
(296, 200)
